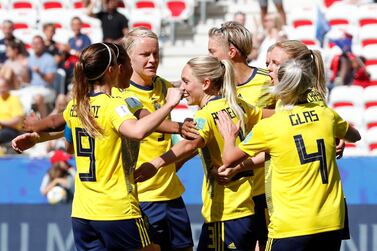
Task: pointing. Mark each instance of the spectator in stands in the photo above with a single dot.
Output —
(279, 7)
(240, 17)
(114, 24)
(7, 28)
(11, 113)
(43, 69)
(272, 33)
(51, 46)
(79, 41)
(347, 68)
(16, 64)
(61, 173)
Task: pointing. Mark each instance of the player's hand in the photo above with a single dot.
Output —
(25, 141)
(29, 122)
(146, 171)
(188, 130)
(340, 145)
(227, 128)
(225, 174)
(173, 97)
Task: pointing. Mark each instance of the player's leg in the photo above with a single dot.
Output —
(263, 4)
(280, 8)
(85, 236)
(131, 234)
(179, 226)
(261, 220)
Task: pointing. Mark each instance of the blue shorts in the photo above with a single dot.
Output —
(261, 218)
(238, 234)
(329, 241)
(169, 223)
(110, 235)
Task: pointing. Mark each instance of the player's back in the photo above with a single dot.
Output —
(305, 181)
(103, 190)
(234, 200)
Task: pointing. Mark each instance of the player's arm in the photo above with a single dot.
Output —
(52, 123)
(226, 173)
(266, 113)
(352, 134)
(30, 139)
(187, 129)
(180, 151)
(232, 154)
(139, 129)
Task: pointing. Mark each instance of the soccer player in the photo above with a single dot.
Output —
(308, 207)
(228, 210)
(233, 41)
(160, 197)
(105, 210)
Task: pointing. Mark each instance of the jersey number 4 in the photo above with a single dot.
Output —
(312, 157)
(81, 135)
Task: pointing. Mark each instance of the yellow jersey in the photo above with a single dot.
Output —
(11, 108)
(256, 91)
(104, 188)
(165, 185)
(307, 196)
(233, 200)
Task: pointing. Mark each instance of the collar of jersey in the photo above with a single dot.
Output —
(251, 76)
(142, 87)
(93, 94)
(214, 98)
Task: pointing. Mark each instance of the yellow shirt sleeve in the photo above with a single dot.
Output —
(255, 141)
(119, 112)
(202, 124)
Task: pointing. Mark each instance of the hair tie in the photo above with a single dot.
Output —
(117, 54)
(108, 65)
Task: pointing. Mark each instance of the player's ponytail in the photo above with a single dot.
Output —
(230, 93)
(296, 78)
(221, 75)
(91, 69)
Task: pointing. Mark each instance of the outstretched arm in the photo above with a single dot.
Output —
(52, 123)
(139, 129)
(30, 139)
(178, 152)
(352, 135)
(187, 129)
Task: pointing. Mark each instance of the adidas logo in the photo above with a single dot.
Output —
(232, 246)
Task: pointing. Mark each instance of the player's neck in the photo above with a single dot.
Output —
(143, 81)
(242, 72)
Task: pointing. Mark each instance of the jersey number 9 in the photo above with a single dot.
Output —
(81, 135)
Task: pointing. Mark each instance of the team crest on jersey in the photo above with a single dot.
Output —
(248, 137)
(133, 102)
(122, 110)
(200, 122)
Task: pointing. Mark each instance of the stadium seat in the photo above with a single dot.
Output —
(367, 14)
(144, 4)
(351, 114)
(368, 35)
(360, 148)
(371, 138)
(306, 34)
(301, 17)
(178, 10)
(346, 96)
(52, 4)
(370, 115)
(341, 14)
(23, 4)
(91, 27)
(370, 97)
(148, 18)
(23, 20)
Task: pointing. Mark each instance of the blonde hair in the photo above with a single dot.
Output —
(298, 50)
(236, 34)
(139, 32)
(221, 75)
(89, 70)
(295, 81)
